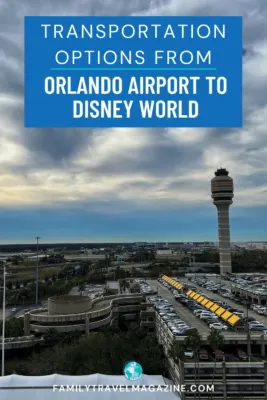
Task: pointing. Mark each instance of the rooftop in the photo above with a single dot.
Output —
(17, 387)
(221, 172)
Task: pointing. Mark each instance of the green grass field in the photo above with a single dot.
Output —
(29, 275)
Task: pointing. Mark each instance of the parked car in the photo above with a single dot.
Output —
(218, 327)
(261, 310)
(257, 327)
(189, 353)
(252, 323)
(240, 314)
(209, 316)
(198, 312)
(219, 355)
(212, 320)
(203, 354)
(242, 355)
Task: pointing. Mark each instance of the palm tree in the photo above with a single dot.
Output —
(121, 285)
(193, 341)
(216, 341)
(124, 284)
(176, 352)
(127, 284)
(81, 288)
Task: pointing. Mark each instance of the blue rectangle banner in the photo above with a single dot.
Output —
(133, 72)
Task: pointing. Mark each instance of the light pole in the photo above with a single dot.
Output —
(4, 322)
(37, 267)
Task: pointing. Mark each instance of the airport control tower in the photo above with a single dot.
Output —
(222, 193)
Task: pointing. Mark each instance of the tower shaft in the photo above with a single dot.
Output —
(222, 193)
(224, 238)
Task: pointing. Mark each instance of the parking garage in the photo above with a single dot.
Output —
(237, 334)
(252, 296)
(236, 375)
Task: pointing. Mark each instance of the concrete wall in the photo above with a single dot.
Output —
(62, 329)
(59, 305)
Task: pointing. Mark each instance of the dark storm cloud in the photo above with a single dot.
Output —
(161, 155)
(58, 144)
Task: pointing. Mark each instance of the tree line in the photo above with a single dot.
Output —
(102, 352)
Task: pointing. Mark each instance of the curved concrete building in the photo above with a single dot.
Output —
(79, 313)
(222, 193)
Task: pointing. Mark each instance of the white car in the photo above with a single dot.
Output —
(218, 327)
(189, 353)
(239, 314)
(179, 328)
(198, 312)
(14, 310)
(180, 325)
(205, 315)
(261, 311)
(255, 323)
(210, 318)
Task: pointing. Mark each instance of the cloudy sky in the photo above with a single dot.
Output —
(130, 184)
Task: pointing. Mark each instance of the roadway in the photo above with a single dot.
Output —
(130, 265)
(185, 313)
(14, 270)
(9, 313)
(20, 310)
(21, 342)
(89, 257)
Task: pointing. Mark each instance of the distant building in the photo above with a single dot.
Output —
(164, 252)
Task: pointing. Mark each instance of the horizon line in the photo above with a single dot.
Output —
(136, 242)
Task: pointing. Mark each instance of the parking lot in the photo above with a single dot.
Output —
(92, 291)
(216, 296)
(190, 318)
(185, 313)
(231, 352)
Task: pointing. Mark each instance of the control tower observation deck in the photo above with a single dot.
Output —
(222, 193)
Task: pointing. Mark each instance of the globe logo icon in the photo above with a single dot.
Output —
(132, 370)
